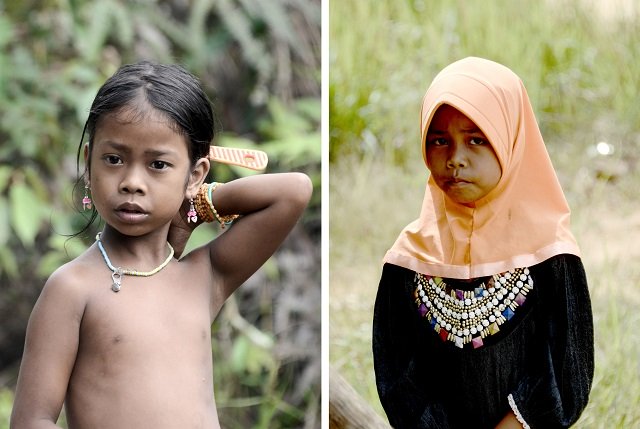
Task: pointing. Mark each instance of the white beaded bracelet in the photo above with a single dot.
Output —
(514, 407)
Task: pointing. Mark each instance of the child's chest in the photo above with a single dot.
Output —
(148, 314)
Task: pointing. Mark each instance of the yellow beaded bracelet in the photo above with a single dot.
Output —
(222, 220)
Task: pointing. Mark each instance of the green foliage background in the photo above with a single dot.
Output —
(260, 63)
(580, 62)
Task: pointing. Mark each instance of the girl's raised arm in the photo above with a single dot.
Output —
(50, 351)
(269, 205)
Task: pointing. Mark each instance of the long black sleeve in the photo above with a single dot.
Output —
(398, 357)
(556, 391)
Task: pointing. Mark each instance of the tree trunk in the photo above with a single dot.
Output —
(347, 410)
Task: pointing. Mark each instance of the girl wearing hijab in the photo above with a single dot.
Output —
(483, 317)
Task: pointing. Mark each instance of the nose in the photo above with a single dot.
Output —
(133, 182)
(457, 156)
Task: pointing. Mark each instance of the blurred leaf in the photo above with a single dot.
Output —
(5, 173)
(8, 262)
(230, 140)
(253, 49)
(50, 262)
(293, 139)
(296, 150)
(26, 213)
(66, 247)
(35, 182)
(248, 357)
(4, 221)
(6, 31)
(310, 107)
(6, 403)
(271, 269)
(239, 354)
(283, 122)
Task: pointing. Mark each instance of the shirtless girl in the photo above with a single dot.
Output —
(140, 357)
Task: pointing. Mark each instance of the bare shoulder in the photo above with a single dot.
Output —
(70, 281)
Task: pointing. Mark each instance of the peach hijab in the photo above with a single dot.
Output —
(524, 220)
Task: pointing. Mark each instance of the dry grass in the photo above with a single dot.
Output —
(369, 205)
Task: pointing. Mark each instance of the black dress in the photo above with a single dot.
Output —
(542, 356)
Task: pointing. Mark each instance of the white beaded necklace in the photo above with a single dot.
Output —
(463, 317)
(118, 272)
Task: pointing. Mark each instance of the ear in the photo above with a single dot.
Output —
(196, 177)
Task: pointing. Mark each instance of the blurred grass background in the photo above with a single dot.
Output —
(580, 62)
(260, 65)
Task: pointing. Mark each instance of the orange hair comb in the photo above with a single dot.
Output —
(248, 158)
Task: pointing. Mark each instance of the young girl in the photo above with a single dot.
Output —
(483, 318)
(121, 334)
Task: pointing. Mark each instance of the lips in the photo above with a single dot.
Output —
(130, 208)
(131, 212)
(457, 181)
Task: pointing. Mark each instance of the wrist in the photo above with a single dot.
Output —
(205, 208)
(516, 413)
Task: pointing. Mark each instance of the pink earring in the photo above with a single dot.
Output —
(86, 200)
(191, 214)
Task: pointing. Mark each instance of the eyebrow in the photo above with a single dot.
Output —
(126, 149)
(470, 130)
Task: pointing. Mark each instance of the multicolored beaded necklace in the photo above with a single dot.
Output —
(464, 317)
(118, 272)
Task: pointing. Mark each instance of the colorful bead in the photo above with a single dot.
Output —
(422, 309)
(493, 328)
(508, 313)
(443, 334)
(458, 315)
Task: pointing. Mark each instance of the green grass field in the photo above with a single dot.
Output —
(581, 69)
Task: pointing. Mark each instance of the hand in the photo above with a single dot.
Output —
(509, 422)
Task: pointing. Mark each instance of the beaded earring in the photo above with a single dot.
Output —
(191, 214)
(86, 200)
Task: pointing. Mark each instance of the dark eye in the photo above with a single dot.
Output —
(159, 165)
(440, 141)
(113, 159)
(476, 141)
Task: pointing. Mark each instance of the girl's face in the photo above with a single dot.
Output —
(140, 171)
(460, 157)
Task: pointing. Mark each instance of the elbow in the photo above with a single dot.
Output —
(19, 422)
(300, 190)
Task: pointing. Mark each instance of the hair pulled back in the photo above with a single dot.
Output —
(147, 87)
(169, 89)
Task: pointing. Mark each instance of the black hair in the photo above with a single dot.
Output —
(170, 90)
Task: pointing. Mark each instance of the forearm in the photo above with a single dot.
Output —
(255, 193)
(269, 205)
